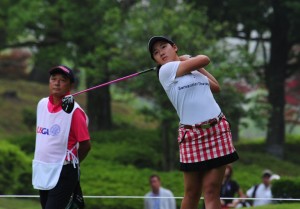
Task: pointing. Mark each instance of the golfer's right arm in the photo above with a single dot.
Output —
(191, 64)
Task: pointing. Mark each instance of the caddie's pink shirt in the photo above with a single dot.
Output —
(79, 130)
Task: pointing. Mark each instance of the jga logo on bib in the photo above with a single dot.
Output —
(53, 131)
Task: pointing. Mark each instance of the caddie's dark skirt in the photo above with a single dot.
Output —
(203, 147)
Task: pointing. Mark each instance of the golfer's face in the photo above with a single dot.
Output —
(164, 52)
(59, 85)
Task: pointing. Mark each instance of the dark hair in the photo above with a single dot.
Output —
(154, 176)
(266, 175)
(229, 166)
(155, 39)
(157, 70)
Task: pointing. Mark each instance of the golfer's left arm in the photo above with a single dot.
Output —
(213, 83)
(198, 62)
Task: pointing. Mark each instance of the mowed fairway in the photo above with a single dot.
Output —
(19, 203)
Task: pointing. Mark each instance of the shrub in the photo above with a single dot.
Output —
(15, 166)
(25, 142)
(286, 188)
(29, 118)
(104, 178)
(141, 148)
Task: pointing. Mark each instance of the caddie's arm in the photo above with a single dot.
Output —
(83, 150)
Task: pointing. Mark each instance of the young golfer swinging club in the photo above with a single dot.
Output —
(204, 136)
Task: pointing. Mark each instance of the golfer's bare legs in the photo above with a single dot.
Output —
(192, 190)
(210, 182)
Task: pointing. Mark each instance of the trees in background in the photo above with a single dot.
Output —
(108, 39)
(194, 35)
(81, 34)
(264, 23)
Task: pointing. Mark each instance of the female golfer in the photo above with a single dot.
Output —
(204, 136)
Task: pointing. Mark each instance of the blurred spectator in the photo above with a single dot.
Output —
(262, 190)
(152, 199)
(230, 188)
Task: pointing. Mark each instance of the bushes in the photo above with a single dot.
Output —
(25, 142)
(121, 162)
(29, 118)
(105, 178)
(286, 188)
(140, 148)
(15, 166)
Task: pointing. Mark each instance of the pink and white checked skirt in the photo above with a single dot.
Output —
(206, 148)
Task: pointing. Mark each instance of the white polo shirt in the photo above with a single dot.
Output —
(261, 192)
(190, 94)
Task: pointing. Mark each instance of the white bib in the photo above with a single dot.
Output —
(52, 135)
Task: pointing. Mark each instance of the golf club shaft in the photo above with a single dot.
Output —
(114, 81)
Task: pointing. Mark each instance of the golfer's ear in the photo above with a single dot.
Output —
(175, 47)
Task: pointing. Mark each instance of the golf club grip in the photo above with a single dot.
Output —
(113, 81)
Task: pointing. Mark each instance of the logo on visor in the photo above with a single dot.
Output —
(54, 130)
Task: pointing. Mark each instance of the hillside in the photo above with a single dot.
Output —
(17, 97)
(18, 104)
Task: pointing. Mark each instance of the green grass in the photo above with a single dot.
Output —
(13, 203)
(11, 108)
(109, 168)
(121, 160)
(21, 203)
(280, 206)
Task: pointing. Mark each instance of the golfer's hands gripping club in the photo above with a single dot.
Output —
(68, 103)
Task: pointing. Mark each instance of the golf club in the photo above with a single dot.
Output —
(68, 101)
